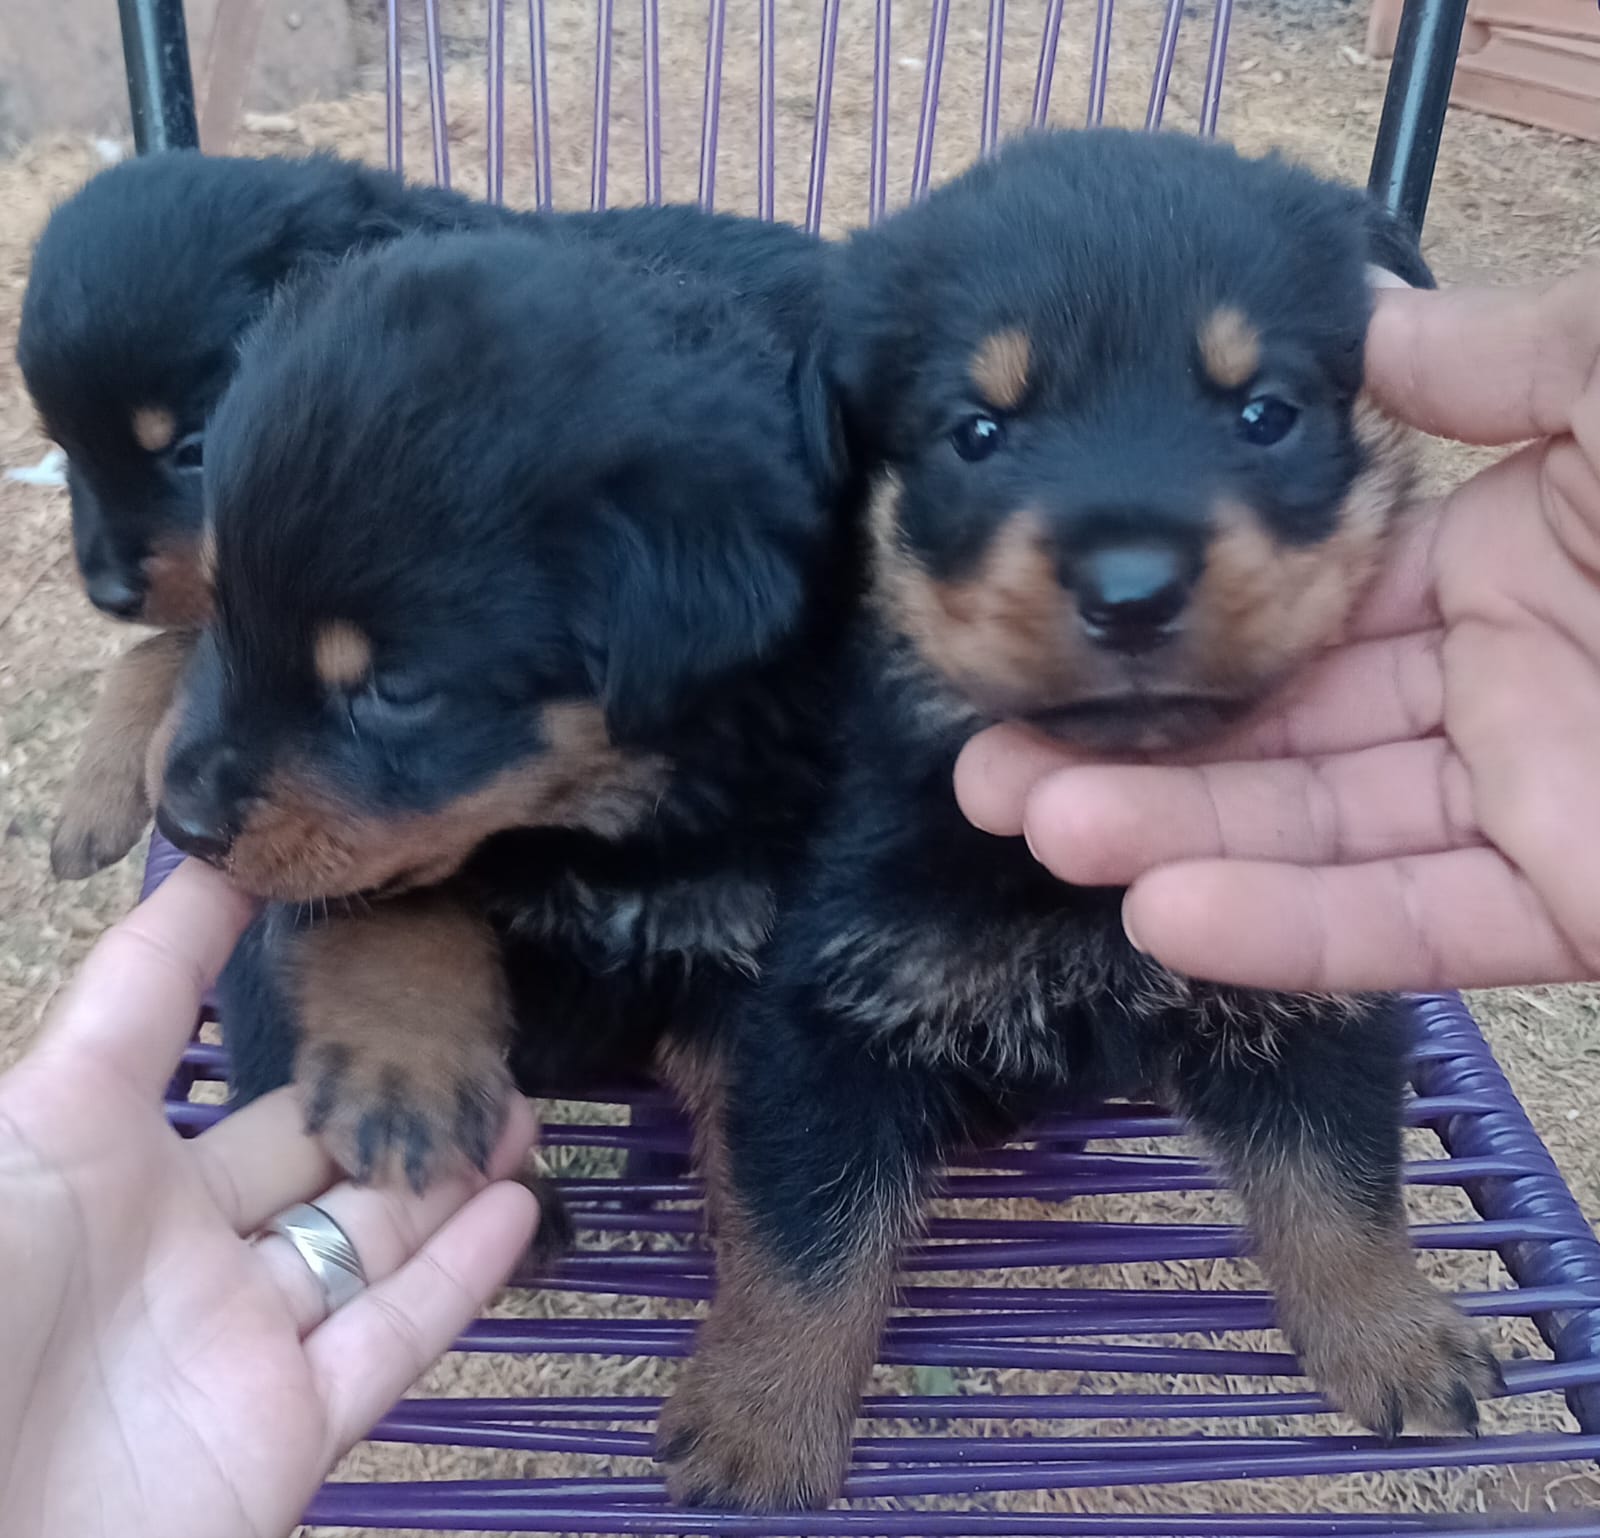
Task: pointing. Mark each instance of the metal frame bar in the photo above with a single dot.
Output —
(155, 54)
(1407, 146)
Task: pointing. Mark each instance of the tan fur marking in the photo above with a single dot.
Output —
(694, 1075)
(999, 369)
(402, 1008)
(301, 843)
(1371, 1331)
(180, 582)
(762, 1416)
(1006, 636)
(154, 428)
(1263, 608)
(105, 809)
(342, 654)
(1230, 348)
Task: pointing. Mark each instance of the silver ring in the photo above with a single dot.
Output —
(325, 1248)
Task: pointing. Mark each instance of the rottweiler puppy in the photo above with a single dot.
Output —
(528, 574)
(1109, 386)
(144, 283)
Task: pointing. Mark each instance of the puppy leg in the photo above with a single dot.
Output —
(1302, 1098)
(258, 1025)
(105, 807)
(825, 1153)
(403, 1025)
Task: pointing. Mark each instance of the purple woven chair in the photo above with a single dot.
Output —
(997, 1417)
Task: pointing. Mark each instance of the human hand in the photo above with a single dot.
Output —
(163, 1375)
(1419, 810)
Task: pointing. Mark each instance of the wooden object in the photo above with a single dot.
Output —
(1532, 61)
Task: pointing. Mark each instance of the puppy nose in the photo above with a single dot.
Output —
(201, 802)
(1129, 594)
(113, 594)
(192, 834)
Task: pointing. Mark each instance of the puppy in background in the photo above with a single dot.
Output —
(527, 588)
(143, 284)
(1109, 385)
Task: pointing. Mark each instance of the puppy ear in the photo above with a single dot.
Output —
(871, 340)
(702, 586)
(1393, 246)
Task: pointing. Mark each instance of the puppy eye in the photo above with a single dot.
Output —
(978, 437)
(188, 453)
(1266, 420)
(396, 699)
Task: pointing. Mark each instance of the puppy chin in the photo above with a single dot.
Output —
(1118, 725)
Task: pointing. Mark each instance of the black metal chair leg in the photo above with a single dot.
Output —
(155, 52)
(1414, 106)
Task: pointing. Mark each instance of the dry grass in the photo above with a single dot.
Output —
(1509, 204)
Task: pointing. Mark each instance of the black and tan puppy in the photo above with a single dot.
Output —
(511, 539)
(1126, 484)
(142, 287)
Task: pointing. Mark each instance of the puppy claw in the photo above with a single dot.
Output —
(1406, 1362)
(413, 1121)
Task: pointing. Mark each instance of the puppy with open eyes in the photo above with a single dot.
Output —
(528, 574)
(1109, 386)
(144, 283)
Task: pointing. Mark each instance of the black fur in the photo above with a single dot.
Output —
(928, 985)
(146, 279)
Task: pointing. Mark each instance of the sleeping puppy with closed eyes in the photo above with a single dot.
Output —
(528, 577)
(143, 284)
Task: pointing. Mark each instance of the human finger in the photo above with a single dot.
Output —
(1465, 918)
(1101, 826)
(1486, 366)
(1360, 696)
(135, 1000)
(388, 1225)
(1357, 696)
(997, 768)
(369, 1353)
(261, 1159)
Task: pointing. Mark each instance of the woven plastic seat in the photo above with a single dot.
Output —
(1046, 1358)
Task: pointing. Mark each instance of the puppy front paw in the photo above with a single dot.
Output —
(730, 1440)
(99, 823)
(1405, 1361)
(412, 1114)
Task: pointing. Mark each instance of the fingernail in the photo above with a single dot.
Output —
(1027, 838)
(1381, 277)
(1127, 929)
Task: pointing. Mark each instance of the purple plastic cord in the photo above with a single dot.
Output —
(440, 123)
(878, 153)
(650, 32)
(393, 123)
(538, 57)
(601, 142)
(1165, 53)
(821, 113)
(495, 95)
(1211, 100)
(1044, 77)
(766, 126)
(928, 118)
(1100, 62)
(993, 59)
(711, 103)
